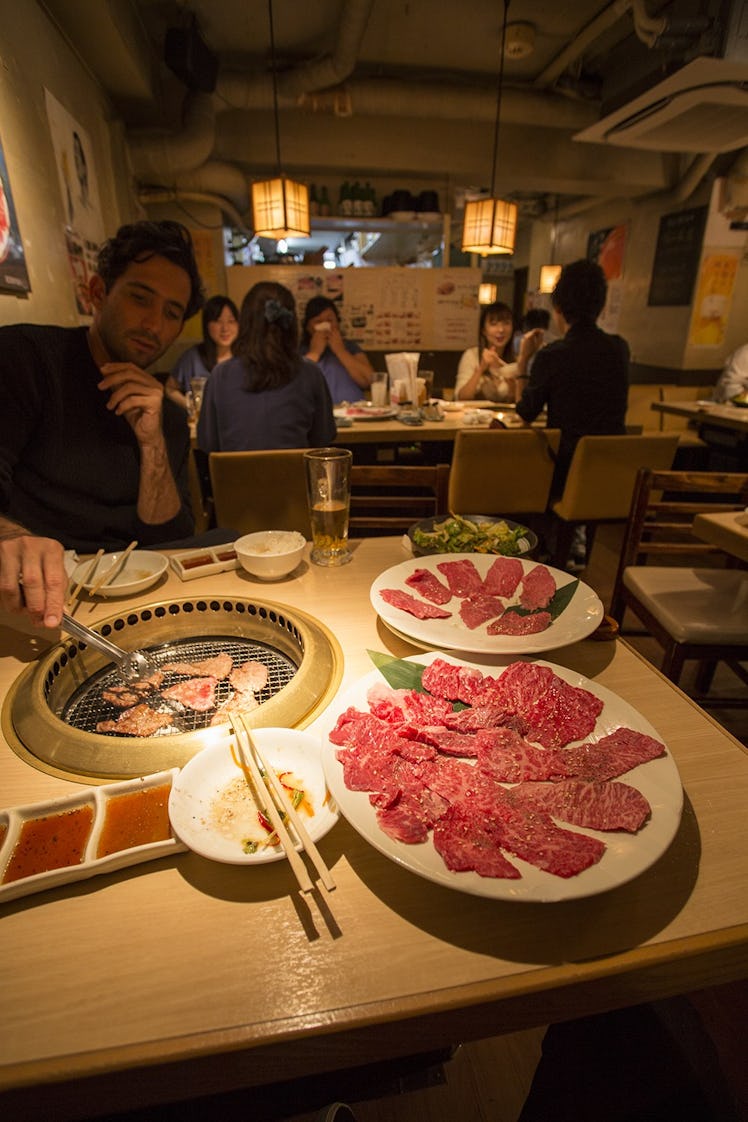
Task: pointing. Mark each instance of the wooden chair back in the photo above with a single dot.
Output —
(262, 490)
(689, 610)
(391, 497)
(502, 471)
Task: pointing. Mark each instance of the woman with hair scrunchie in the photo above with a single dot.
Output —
(267, 395)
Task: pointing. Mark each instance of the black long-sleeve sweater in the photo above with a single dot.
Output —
(70, 468)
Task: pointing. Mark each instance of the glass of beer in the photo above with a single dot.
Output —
(328, 484)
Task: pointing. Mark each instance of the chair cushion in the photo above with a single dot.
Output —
(694, 605)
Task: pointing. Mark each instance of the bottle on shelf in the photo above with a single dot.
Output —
(358, 199)
(345, 202)
(325, 209)
(314, 207)
(370, 201)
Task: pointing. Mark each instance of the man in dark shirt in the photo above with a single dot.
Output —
(582, 378)
(91, 452)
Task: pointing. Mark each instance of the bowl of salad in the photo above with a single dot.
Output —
(471, 533)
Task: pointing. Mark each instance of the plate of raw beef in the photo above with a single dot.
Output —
(529, 783)
(483, 603)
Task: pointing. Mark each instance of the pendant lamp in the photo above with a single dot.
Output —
(487, 293)
(280, 206)
(490, 225)
(549, 274)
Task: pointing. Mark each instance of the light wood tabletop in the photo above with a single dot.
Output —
(393, 431)
(728, 531)
(182, 976)
(707, 413)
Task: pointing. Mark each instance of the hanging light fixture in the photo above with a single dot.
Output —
(549, 274)
(280, 206)
(487, 293)
(490, 225)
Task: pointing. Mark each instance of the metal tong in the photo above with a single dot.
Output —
(132, 666)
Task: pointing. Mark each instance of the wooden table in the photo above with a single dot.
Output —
(728, 531)
(723, 428)
(395, 432)
(182, 976)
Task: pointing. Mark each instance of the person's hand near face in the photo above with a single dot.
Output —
(324, 331)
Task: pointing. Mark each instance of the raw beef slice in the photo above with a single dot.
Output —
(503, 577)
(465, 845)
(599, 806)
(538, 588)
(429, 586)
(462, 577)
(476, 610)
(456, 683)
(407, 603)
(513, 623)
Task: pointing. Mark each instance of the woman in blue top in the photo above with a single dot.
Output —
(267, 395)
(220, 329)
(345, 366)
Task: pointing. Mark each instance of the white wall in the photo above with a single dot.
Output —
(33, 56)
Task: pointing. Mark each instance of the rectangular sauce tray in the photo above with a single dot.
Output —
(193, 563)
(96, 830)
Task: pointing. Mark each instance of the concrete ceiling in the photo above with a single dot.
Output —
(402, 92)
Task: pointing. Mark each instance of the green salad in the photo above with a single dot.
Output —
(462, 535)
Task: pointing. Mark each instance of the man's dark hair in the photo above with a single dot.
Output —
(143, 240)
(580, 292)
(536, 317)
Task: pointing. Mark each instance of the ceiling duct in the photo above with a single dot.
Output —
(699, 106)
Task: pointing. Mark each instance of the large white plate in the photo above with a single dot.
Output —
(366, 412)
(579, 619)
(201, 781)
(626, 855)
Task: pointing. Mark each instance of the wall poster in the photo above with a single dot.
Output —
(676, 257)
(711, 308)
(14, 275)
(79, 189)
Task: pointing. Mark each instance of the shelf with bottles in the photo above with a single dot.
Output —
(377, 225)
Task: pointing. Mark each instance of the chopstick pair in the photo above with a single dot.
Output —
(278, 800)
(73, 597)
(114, 571)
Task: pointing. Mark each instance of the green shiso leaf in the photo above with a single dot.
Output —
(562, 598)
(398, 673)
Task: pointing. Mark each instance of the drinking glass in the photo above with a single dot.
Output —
(425, 386)
(328, 483)
(197, 388)
(379, 390)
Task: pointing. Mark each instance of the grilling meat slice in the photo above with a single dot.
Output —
(237, 703)
(125, 696)
(196, 693)
(217, 667)
(140, 720)
(250, 676)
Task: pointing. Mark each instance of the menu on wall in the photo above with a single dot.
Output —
(383, 308)
(676, 257)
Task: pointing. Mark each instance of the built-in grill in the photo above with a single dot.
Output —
(52, 711)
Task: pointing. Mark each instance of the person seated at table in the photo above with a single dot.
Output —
(346, 368)
(267, 395)
(220, 329)
(581, 378)
(734, 378)
(488, 372)
(92, 453)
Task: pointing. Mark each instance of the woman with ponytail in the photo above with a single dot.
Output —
(266, 396)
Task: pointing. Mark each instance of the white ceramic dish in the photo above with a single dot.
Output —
(198, 788)
(270, 554)
(478, 417)
(580, 617)
(364, 411)
(97, 799)
(193, 563)
(626, 855)
(141, 570)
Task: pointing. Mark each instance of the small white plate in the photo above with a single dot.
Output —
(196, 794)
(141, 570)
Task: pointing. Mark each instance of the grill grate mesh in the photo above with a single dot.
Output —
(87, 707)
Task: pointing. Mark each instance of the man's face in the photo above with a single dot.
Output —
(143, 312)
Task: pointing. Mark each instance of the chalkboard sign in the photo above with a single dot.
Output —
(677, 257)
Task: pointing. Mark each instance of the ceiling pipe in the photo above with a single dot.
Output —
(158, 195)
(582, 41)
(161, 156)
(335, 67)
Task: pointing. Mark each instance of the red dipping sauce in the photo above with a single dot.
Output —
(54, 841)
(137, 818)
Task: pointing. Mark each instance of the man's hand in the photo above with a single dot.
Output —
(136, 396)
(33, 578)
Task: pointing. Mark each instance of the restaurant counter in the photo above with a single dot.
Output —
(181, 976)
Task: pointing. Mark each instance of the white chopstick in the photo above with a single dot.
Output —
(85, 580)
(253, 778)
(285, 802)
(114, 571)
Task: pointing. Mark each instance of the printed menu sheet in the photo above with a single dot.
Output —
(382, 308)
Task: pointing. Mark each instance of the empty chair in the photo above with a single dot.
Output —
(391, 498)
(264, 490)
(600, 483)
(694, 612)
(502, 471)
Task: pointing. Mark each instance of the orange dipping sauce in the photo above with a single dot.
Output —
(137, 818)
(54, 841)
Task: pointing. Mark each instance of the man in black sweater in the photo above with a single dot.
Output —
(91, 452)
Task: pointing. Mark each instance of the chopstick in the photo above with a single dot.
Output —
(85, 580)
(254, 780)
(115, 570)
